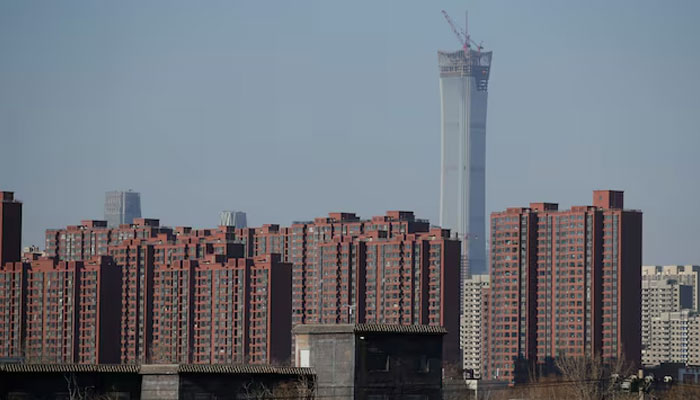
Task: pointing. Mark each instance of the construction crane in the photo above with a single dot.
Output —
(462, 35)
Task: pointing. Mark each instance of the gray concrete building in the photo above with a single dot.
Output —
(372, 361)
(472, 324)
(122, 207)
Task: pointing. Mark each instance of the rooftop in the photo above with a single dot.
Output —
(370, 328)
(156, 368)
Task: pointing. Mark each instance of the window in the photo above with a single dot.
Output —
(304, 358)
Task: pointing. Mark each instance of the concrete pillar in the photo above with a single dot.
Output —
(160, 382)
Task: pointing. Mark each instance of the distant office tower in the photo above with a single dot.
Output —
(464, 78)
(669, 309)
(472, 324)
(122, 207)
(563, 283)
(10, 228)
(236, 219)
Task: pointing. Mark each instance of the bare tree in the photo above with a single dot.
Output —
(682, 391)
(591, 378)
(77, 392)
(305, 388)
(454, 387)
(253, 390)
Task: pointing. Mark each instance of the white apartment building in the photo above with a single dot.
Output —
(670, 321)
(683, 274)
(472, 323)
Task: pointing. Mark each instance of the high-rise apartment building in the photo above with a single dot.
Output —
(237, 219)
(464, 78)
(662, 300)
(564, 282)
(13, 292)
(669, 310)
(694, 340)
(392, 269)
(217, 312)
(61, 311)
(472, 327)
(688, 275)
(122, 207)
(10, 228)
(672, 337)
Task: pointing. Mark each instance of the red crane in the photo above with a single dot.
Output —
(462, 35)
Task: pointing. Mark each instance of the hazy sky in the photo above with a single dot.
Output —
(290, 110)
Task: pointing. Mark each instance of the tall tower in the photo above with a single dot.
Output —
(122, 207)
(464, 78)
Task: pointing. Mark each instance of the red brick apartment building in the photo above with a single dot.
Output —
(60, 311)
(392, 269)
(211, 311)
(563, 282)
(221, 294)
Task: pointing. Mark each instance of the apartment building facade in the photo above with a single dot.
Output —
(673, 338)
(472, 329)
(670, 318)
(563, 283)
(688, 275)
(217, 311)
(61, 311)
(392, 269)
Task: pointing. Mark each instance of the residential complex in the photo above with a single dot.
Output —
(208, 312)
(563, 283)
(472, 321)
(672, 337)
(231, 294)
(670, 320)
(687, 275)
(122, 207)
(464, 78)
(60, 311)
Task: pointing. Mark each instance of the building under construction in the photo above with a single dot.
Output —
(464, 76)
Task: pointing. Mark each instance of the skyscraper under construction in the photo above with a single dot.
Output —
(464, 78)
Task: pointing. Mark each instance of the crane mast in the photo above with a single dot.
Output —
(462, 34)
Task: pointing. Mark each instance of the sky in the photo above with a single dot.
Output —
(291, 110)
